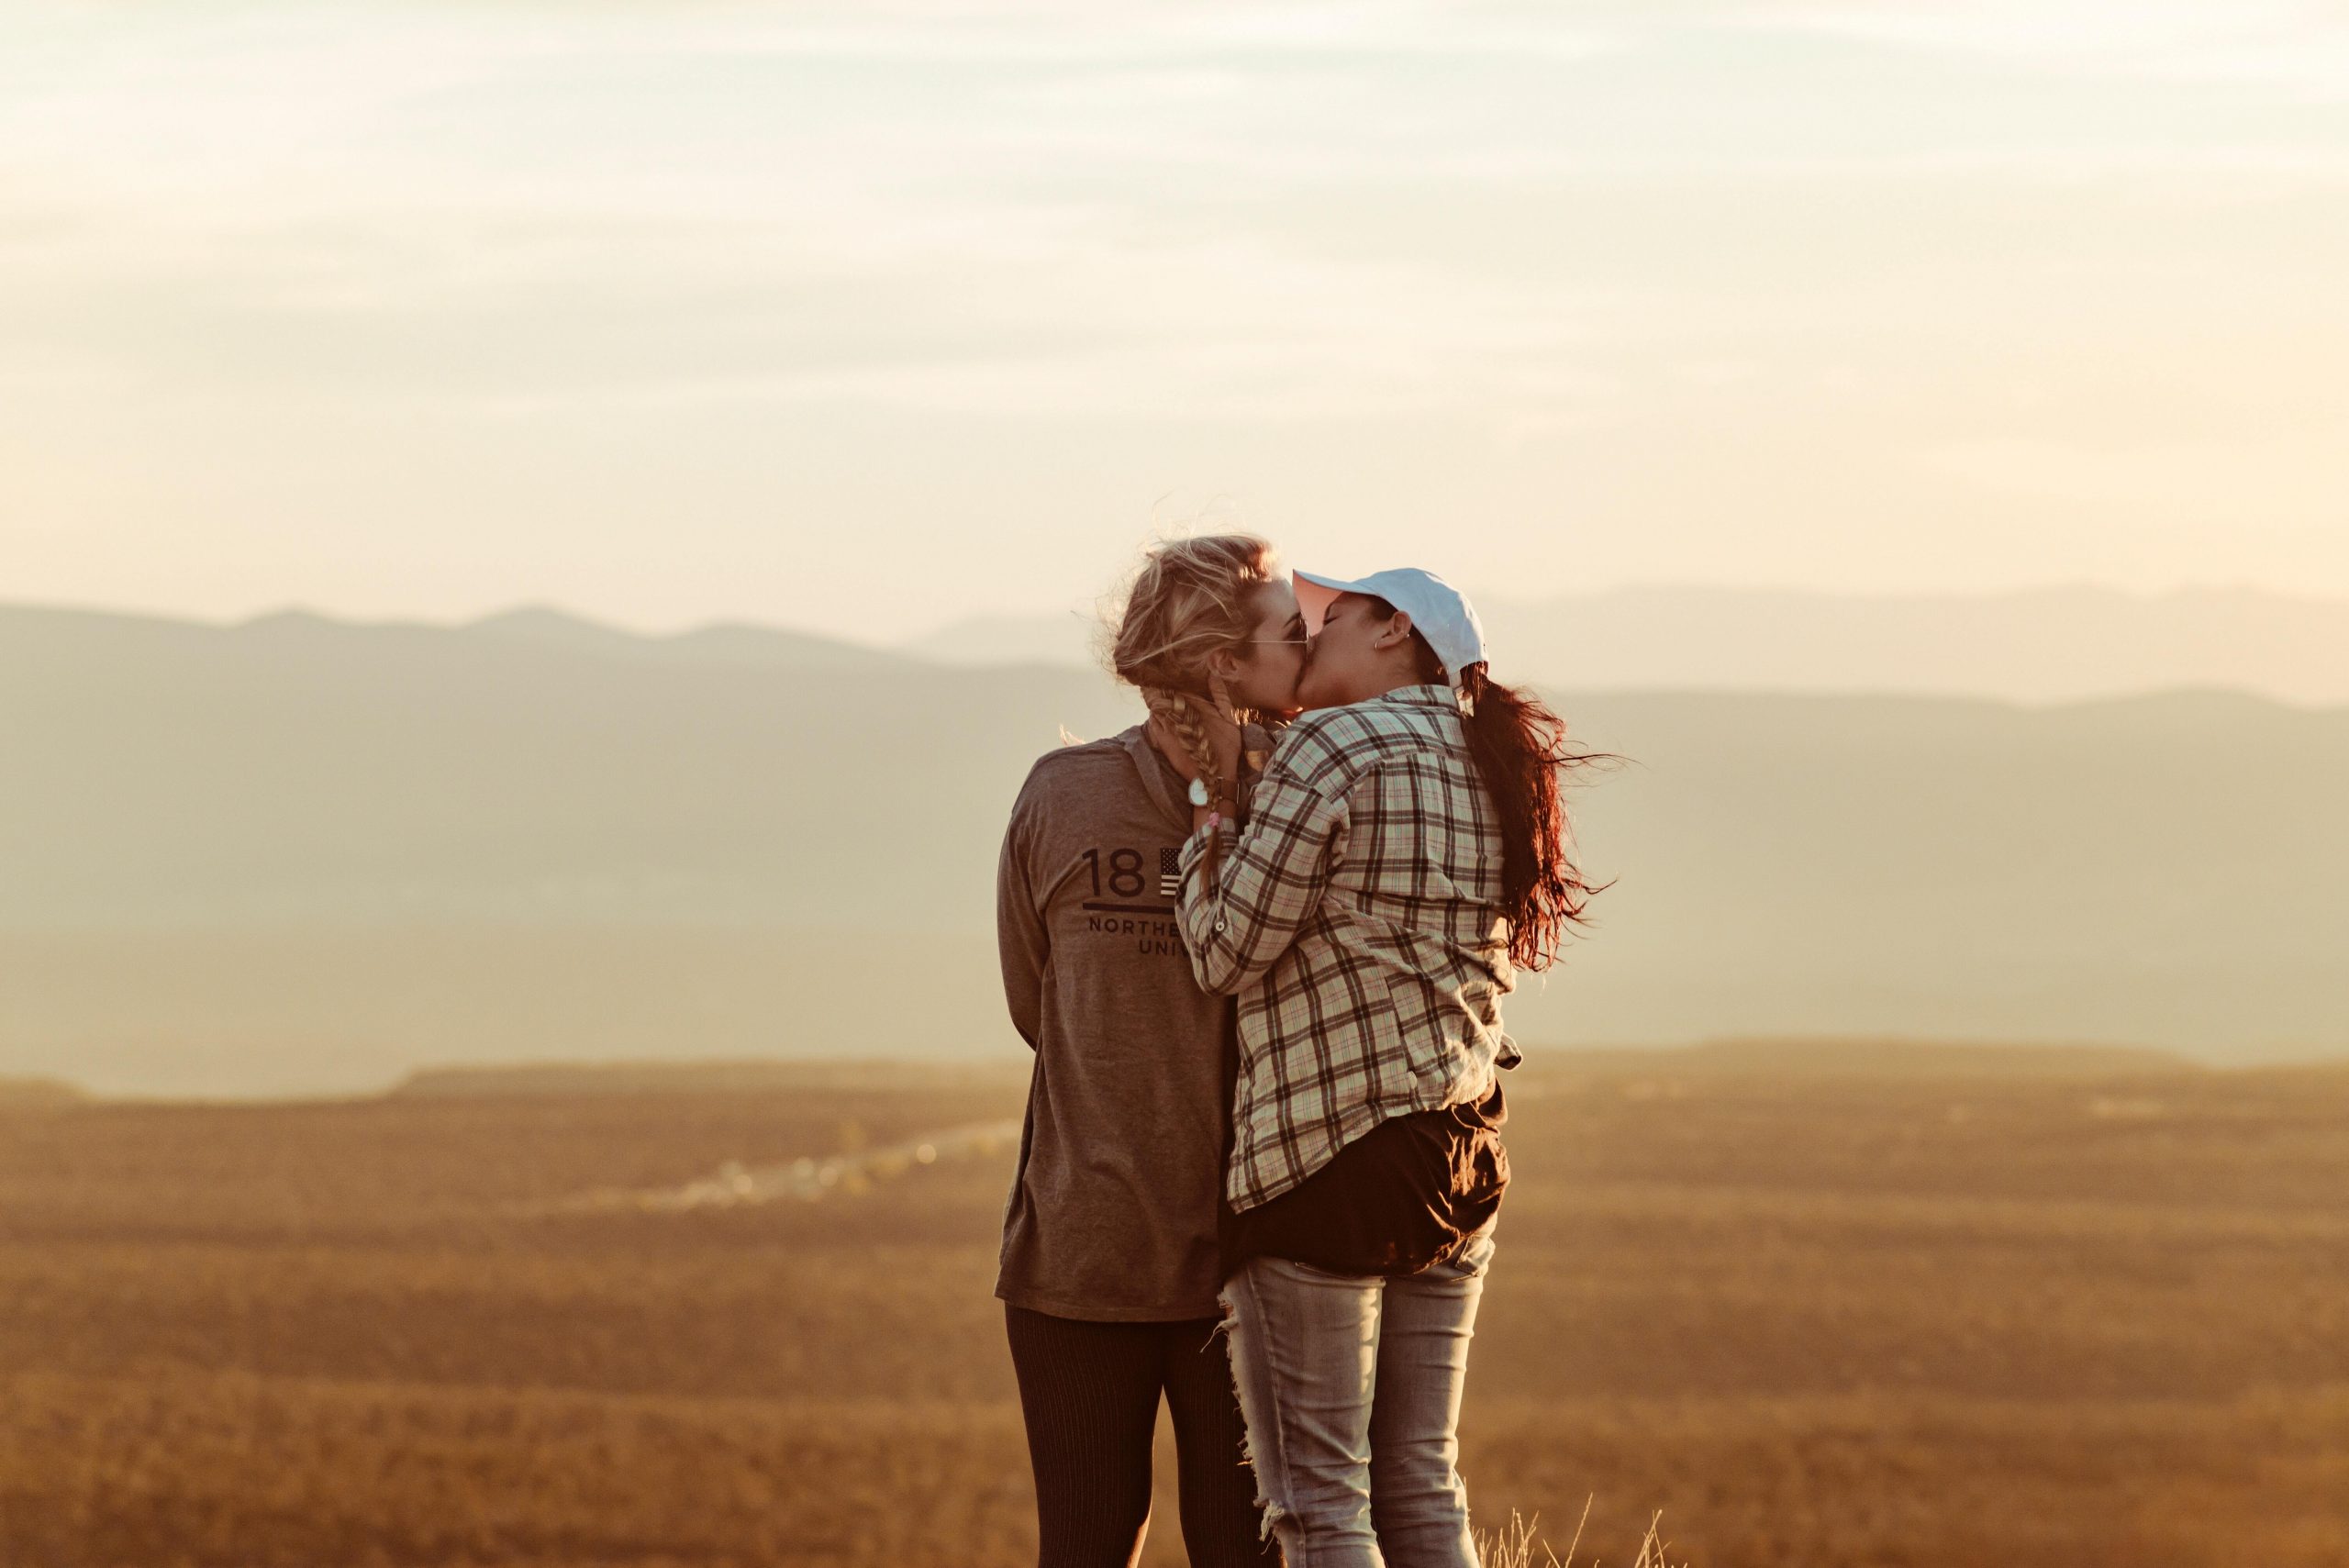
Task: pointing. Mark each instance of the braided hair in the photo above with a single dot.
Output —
(1189, 599)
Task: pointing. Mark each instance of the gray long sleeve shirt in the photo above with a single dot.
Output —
(1112, 1214)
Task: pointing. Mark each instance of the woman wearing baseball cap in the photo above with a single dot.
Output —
(1405, 853)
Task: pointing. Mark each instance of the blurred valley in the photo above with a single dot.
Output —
(302, 856)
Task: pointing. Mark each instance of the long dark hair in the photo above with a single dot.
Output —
(1522, 756)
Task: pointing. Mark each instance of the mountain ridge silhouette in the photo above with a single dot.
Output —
(312, 858)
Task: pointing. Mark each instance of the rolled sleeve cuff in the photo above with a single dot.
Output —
(1196, 899)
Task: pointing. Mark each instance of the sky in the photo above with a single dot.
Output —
(866, 317)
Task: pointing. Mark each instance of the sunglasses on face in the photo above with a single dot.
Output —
(1299, 636)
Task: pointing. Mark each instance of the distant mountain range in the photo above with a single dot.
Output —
(2047, 645)
(101, 638)
(305, 855)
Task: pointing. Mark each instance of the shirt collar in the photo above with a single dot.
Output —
(1429, 696)
(1159, 780)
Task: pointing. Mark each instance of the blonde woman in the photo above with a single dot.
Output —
(1110, 1265)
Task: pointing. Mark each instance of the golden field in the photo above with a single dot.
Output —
(1855, 1306)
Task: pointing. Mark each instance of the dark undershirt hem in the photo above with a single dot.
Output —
(1407, 1195)
(1103, 1312)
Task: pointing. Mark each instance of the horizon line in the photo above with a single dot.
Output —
(554, 611)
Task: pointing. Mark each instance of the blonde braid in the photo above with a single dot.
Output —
(1186, 603)
(1175, 711)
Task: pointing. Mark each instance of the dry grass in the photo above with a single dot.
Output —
(1919, 1324)
(1513, 1545)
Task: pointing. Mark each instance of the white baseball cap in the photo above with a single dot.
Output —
(1438, 612)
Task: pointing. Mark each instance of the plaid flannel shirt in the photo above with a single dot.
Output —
(1357, 916)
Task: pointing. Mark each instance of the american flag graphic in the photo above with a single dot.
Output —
(1169, 873)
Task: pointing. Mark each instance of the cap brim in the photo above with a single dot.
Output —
(1316, 594)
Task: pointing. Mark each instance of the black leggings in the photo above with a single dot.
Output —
(1090, 1394)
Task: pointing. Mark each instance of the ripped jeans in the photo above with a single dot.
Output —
(1351, 1388)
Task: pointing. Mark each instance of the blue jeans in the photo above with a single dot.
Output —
(1350, 1389)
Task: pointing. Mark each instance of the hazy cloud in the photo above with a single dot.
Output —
(1515, 226)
